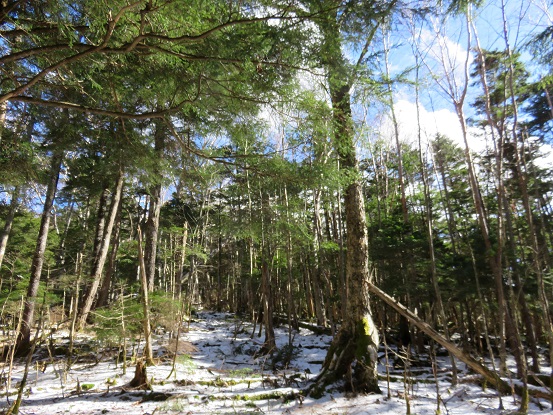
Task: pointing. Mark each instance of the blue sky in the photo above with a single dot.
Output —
(524, 19)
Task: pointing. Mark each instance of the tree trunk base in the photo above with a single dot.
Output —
(351, 360)
(140, 380)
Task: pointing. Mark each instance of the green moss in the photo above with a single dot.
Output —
(364, 339)
(267, 396)
(242, 373)
(219, 383)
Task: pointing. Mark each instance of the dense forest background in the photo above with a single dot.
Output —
(184, 154)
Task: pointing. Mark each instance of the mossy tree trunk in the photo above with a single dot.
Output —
(352, 356)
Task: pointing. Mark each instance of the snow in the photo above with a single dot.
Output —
(219, 371)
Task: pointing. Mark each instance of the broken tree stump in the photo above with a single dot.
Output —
(140, 380)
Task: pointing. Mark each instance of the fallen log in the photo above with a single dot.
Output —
(489, 375)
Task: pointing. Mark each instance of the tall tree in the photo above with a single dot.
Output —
(23, 341)
(103, 248)
(352, 357)
(154, 205)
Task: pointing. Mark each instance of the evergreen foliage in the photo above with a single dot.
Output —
(242, 123)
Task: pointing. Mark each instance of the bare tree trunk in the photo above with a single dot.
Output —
(100, 225)
(549, 100)
(148, 352)
(538, 266)
(395, 124)
(3, 108)
(151, 235)
(269, 346)
(4, 236)
(152, 223)
(439, 168)
(309, 303)
(96, 274)
(16, 193)
(23, 342)
(317, 260)
(184, 241)
(514, 263)
(60, 260)
(103, 294)
(457, 89)
(290, 309)
(509, 321)
(429, 228)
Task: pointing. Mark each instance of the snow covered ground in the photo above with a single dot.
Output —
(218, 371)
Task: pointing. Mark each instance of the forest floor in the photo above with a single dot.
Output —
(219, 372)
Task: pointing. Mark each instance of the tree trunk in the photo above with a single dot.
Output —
(152, 223)
(290, 309)
(103, 294)
(151, 235)
(536, 248)
(14, 204)
(140, 379)
(269, 346)
(395, 124)
(352, 356)
(3, 108)
(318, 260)
(96, 274)
(61, 257)
(495, 254)
(100, 225)
(23, 342)
(148, 352)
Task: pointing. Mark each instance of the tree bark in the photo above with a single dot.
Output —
(96, 274)
(537, 249)
(429, 229)
(4, 236)
(148, 352)
(100, 225)
(269, 346)
(23, 342)
(151, 229)
(352, 356)
(103, 294)
(495, 254)
(318, 260)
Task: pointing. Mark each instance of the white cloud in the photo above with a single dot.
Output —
(441, 121)
(445, 122)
